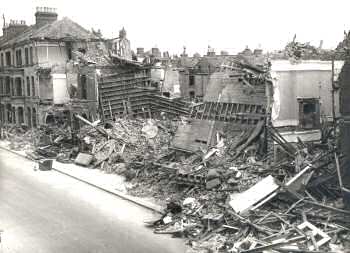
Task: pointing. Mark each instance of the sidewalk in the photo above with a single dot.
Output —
(111, 183)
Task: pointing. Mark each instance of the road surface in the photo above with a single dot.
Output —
(45, 211)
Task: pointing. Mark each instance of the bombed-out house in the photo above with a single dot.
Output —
(127, 87)
(189, 77)
(302, 97)
(235, 102)
(297, 98)
(38, 75)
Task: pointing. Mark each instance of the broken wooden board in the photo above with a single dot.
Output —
(193, 136)
(295, 183)
(244, 201)
(320, 236)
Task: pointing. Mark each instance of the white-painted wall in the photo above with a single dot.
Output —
(60, 89)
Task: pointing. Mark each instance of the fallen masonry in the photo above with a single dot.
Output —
(217, 199)
(228, 179)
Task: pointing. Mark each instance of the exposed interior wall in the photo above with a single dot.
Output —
(184, 81)
(198, 87)
(308, 79)
(60, 89)
(201, 83)
(230, 90)
(45, 87)
(91, 91)
(171, 82)
(91, 83)
(50, 54)
(157, 74)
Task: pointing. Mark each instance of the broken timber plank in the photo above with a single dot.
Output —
(242, 202)
(275, 245)
(99, 129)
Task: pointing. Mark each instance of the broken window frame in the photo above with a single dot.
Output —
(305, 122)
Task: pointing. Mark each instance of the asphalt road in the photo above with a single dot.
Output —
(45, 211)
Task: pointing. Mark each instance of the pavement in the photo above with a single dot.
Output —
(111, 183)
(46, 211)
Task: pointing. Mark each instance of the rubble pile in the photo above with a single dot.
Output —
(296, 51)
(19, 138)
(98, 56)
(235, 196)
(249, 204)
(47, 141)
(131, 141)
(299, 50)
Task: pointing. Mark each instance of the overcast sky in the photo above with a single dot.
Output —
(223, 24)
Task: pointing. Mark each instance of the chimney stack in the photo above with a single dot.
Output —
(321, 45)
(45, 15)
(156, 52)
(211, 51)
(13, 28)
(140, 51)
(258, 52)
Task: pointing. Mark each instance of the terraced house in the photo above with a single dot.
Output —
(37, 68)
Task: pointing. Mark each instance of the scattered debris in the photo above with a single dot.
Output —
(229, 193)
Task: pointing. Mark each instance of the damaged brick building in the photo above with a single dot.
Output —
(189, 77)
(37, 71)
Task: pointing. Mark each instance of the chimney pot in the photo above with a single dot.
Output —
(45, 15)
